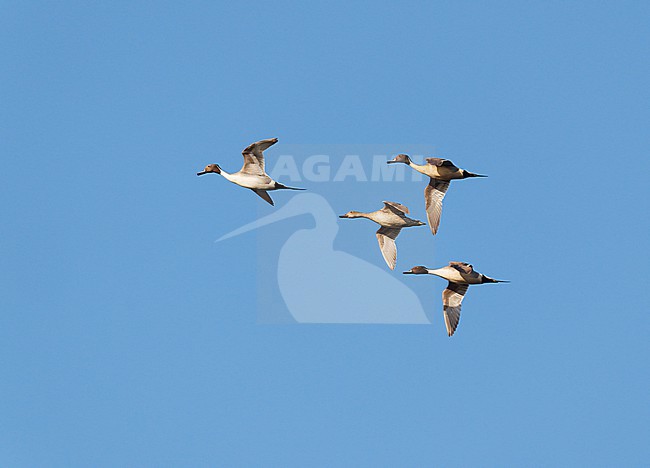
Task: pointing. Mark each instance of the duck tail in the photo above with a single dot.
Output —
(279, 186)
(471, 174)
(487, 279)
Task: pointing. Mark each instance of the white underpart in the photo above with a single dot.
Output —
(250, 181)
(451, 274)
(389, 219)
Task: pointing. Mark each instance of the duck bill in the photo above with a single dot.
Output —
(201, 173)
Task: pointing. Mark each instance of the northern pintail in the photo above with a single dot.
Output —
(460, 275)
(392, 218)
(252, 175)
(440, 172)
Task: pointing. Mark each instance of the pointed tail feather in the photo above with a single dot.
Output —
(279, 186)
(264, 196)
(487, 279)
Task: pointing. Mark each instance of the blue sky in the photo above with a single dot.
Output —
(128, 337)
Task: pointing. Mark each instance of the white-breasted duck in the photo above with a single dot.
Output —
(440, 173)
(252, 175)
(460, 276)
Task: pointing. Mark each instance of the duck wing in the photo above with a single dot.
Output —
(462, 267)
(439, 162)
(452, 298)
(433, 196)
(396, 208)
(467, 271)
(386, 238)
(264, 195)
(254, 156)
(445, 166)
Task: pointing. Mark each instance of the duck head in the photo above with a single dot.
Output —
(417, 270)
(210, 168)
(400, 158)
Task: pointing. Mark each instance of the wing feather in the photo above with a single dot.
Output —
(439, 162)
(396, 207)
(386, 238)
(462, 267)
(434, 193)
(254, 156)
(264, 195)
(452, 299)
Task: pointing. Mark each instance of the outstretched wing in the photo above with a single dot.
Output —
(462, 267)
(433, 196)
(452, 298)
(396, 208)
(254, 156)
(386, 238)
(264, 195)
(444, 166)
(439, 162)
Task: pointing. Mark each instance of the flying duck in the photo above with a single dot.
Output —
(392, 218)
(460, 275)
(252, 174)
(440, 172)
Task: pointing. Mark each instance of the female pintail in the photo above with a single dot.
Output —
(252, 174)
(440, 172)
(460, 275)
(392, 218)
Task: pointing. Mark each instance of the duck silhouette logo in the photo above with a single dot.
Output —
(321, 285)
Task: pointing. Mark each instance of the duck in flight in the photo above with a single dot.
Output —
(252, 175)
(392, 218)
(440, 172)
(460, 275)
